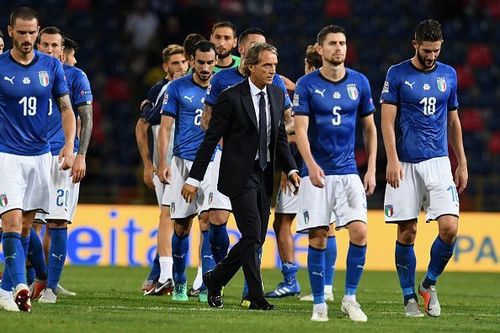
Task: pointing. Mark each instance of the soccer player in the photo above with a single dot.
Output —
(160, 280)
(220, 205)
(29, 80)
(64, 185)
(183, 104)
(327, 103)
(422, 94)
(224, 37)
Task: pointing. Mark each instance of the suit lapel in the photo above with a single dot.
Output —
(246, 99)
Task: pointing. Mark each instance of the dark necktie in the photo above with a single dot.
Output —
(262, 132)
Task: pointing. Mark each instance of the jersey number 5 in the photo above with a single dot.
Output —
(336, 116)
(29, 105)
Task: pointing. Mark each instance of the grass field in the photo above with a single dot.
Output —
(110, 300)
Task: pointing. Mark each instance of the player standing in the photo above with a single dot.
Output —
(29, 80)
(327, 103)
(224, 37)
(422, 94)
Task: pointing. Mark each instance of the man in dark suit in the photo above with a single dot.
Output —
(247, 164)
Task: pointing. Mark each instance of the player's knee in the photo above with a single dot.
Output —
(448, 234)
(318, 238)
(218, 217)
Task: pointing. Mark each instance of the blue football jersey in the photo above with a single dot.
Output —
(25, 91)
(80, 94)
(152, 114)
(229, 77)
(423, 99)
(184, 102)
(332, 108)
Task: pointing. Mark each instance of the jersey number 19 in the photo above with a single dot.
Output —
(29, 105)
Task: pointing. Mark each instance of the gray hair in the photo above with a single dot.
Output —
(254, 52)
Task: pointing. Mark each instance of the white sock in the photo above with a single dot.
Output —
(328, 289)
(198, 280)
(166, 264)
(349, 298)
(318, 307)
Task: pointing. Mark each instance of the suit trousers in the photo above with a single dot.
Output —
(251, 209)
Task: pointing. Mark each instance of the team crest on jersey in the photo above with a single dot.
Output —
(3, 200)
(43, 77)
(441, 82)
(389, 210)
(352, 91)
(336, 95)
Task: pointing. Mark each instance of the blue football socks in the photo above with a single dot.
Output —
(356, 257)
(406, 263)
(180, 248)
(57, 255)
(219, 241)
(316, 269)
(441, 253)
(330, 259)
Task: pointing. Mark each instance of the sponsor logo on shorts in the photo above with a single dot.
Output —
(3, 200)
(388, 210)
(210, 197)
(172, 207)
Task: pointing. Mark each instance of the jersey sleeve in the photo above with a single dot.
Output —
(60, 87)
(453, 98)
(301, 99)
(278, 81)
(365, 107)
(213, 90)
(170, 101)
(390, 91)
(82, 94)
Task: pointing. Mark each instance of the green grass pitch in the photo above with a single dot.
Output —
(109, 300)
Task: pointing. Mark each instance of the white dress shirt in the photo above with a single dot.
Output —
(254, 91)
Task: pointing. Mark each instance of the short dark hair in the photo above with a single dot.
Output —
(428, 30)
(313, 58)
(225, 24)
(203, 46)
(70, 44)
(250, 31)
(329, 29)
(51, 31)
(190, 41)
(254, 52)
(170, 50)
(23, 13)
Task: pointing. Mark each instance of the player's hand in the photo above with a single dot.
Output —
(66, 157)
(369, 182)
(317, 176)
(461, 177)
(148, 174)
(189, 192)
(294, 183)
(164, 173)
(79, 169)
(394, 173)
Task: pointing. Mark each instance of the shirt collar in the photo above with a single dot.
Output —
(254, 90)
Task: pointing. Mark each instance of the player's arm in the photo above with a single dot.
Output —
(141, 136)
(163, 142)
(206, 116)
(316, 174)
(69, 127)
(455, 139)
(79, 166)
(394, 171)
(370, 141)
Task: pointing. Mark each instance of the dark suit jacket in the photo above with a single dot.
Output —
(234, 120)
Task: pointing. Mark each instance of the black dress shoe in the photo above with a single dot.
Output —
(214, 296)
(261, 304)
